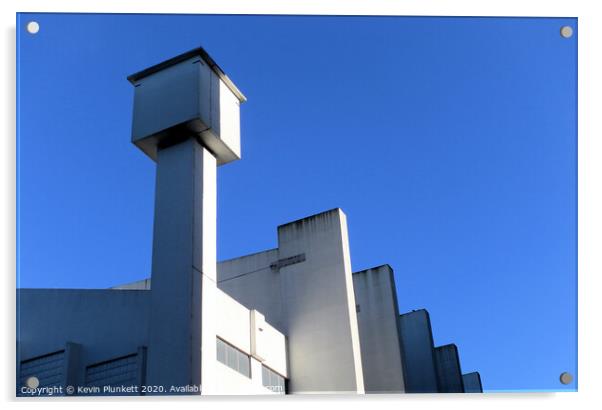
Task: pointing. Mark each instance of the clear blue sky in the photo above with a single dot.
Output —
(450, 143)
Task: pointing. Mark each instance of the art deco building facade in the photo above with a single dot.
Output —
(294, 319)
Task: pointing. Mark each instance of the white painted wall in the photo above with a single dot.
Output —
(181, 345)
(268, 345)
(225, 115)
(251, 281)
(312, 303)
(376, 298)
(319, 306)
(230, 382)
(234, 325)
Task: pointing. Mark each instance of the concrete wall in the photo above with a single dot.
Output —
(251, 281)
(143, 284)
(183, 268)
(107, 324)
(449, 373)
(319, 306)
(230, 382)
(103, 324)
(376, 300)
(418, 357)
(93, 318)
(268, 345)
(305, 290)
(234, 322)
(234, 325)
(472, 383)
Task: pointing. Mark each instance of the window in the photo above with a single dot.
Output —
(272, 380)
(122, 371)
(221, 351)
(233, 358)
(48, 369)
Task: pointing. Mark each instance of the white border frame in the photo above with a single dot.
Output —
(589, 170)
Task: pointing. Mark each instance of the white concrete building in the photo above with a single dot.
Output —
(286, 318)
(293, 319)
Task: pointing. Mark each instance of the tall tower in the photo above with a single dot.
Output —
(186, 118)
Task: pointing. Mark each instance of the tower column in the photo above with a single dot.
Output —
(182, 331)
(186, 118)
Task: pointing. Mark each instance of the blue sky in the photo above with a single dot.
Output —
(450, 143)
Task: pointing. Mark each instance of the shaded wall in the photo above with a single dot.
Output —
(449, 373)
(418, 357)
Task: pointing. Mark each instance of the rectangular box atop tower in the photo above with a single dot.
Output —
(187, 96)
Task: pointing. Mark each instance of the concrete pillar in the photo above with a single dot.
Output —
(472, 383)
(449, 373)
(182, 329)
(141, 354)
(186, 118)
(73, 370)
(418, 357)
(319, 305)
(377, 313)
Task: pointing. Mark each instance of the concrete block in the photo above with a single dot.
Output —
(187, 96)
(449, 373)
(377, 313)
(472, 382)
(418, 358)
